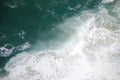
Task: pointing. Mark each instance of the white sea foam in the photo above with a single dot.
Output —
(91, 53)
(116, 8)
(22, 34)
(107, 1)
(24, 46)
(6, 50)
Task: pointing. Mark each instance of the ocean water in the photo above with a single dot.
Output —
(60, 40)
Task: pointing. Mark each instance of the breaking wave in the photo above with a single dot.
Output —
(90, 53)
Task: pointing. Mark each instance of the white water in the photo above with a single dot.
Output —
(8, 49)
(91, 53)
(107, 1)
(4, 51)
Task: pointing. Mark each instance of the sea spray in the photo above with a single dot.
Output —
(90, 53)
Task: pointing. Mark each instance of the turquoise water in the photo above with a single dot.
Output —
(36, 33)
(33, 20)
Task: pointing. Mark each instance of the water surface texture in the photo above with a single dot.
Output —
(60, 40)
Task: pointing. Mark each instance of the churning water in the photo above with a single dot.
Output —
(86, 46)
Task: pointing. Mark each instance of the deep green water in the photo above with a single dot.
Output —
(28, 21)
(59, 39)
